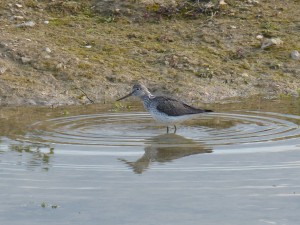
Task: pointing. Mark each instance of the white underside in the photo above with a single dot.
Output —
(170, 120)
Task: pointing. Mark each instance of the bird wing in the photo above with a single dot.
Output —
(173, 107)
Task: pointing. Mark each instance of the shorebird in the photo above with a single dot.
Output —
(163, 109)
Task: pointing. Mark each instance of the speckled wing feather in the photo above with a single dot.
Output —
(173, 107)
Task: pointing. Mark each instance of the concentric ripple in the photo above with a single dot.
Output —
(216, 130)
(110, 129)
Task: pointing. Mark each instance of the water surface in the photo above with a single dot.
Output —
(105, 164)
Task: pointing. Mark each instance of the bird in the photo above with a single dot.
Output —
(166, 110)
(166, 148)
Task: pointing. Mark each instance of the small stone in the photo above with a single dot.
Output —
(232, 27)
(25, 60)
(209, 5)
(2, 70)
(47, 57)
(18, 17)
(30, 102)
(18, 5)
(27, 24)
(253, 2)
(46, 22)
(267, 42)
(48, 50)
(295, 55)
(112, 78)
(222, 3)
(88, 46)
(59, 66)
(259, 37)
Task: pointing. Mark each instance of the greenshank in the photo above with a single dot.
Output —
(163, 109)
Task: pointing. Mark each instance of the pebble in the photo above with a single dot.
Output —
(46, 22)
(295, 55)
(88, 46)
(48, 50)
(25, 60)
(222, 3)
(47, 57)
(259, 37)
(18, 17)
(60, 66)
(18, 5)
(27, 24)
(267, 42)
(254, 2)
(2, 70)
(245, 75)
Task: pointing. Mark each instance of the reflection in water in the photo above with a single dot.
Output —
(165, 148)
(90, 185)
(35, 156)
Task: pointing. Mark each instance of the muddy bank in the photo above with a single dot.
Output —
(57, 52)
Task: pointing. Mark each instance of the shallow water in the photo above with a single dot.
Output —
(112, 165)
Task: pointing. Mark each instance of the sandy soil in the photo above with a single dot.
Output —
(57, 52)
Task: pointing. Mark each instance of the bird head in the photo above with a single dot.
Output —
(138, 90)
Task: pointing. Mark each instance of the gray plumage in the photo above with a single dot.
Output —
(164, 109)
(173, 107)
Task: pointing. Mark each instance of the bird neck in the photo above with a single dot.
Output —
(147, 100)
(147, 96)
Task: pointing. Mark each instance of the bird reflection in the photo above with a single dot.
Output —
(166, 148)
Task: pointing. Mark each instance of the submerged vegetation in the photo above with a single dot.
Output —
(200, 50)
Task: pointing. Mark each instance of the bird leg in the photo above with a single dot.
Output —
(175, 129)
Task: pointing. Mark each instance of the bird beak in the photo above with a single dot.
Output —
(126, 96)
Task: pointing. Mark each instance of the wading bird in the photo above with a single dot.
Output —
(163, 109)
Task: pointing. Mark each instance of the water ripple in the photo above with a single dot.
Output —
(217, 130)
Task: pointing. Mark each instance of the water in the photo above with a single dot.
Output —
(108, 165)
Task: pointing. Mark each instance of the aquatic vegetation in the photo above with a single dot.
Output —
(65, 112)
(46, 205)
(118, 106)
(43, 205)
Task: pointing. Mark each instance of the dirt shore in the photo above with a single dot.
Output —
(59, 52)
